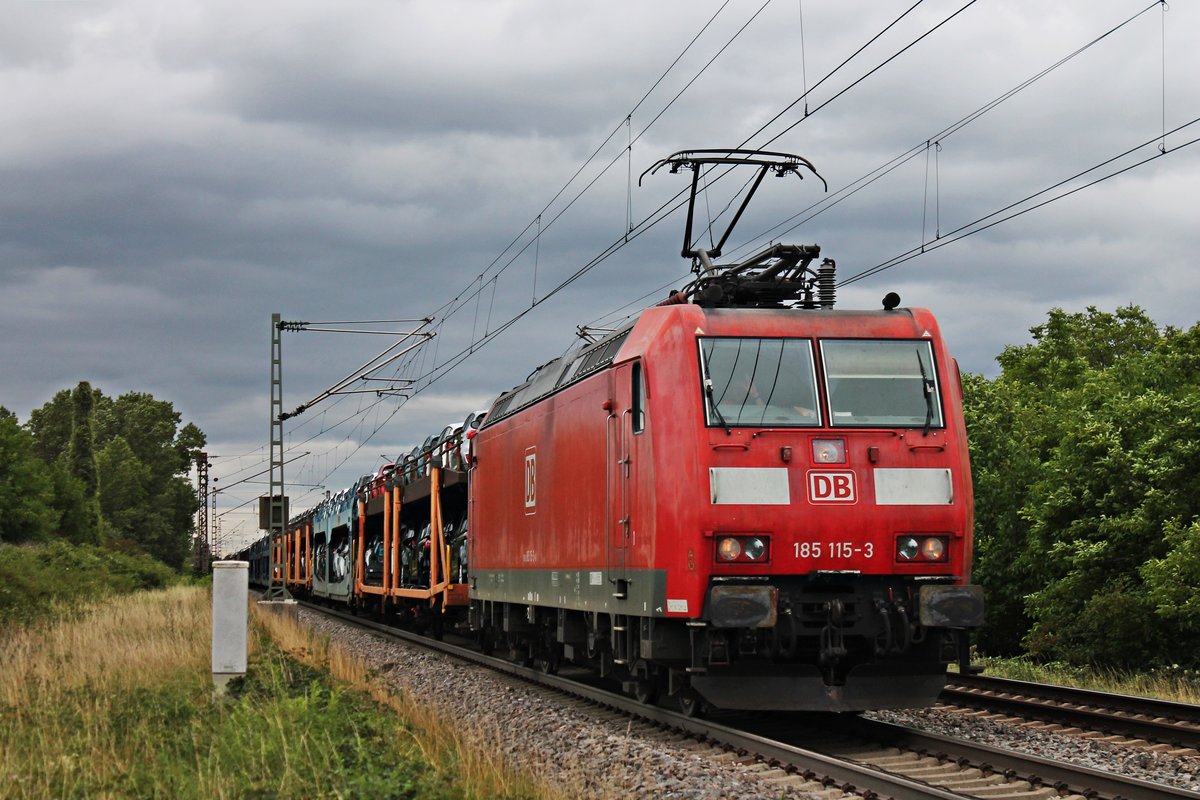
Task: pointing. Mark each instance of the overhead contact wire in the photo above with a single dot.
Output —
(970, 229)
(597, 151)
(439, 370)
(868, 178)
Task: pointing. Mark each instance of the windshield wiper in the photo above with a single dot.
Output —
(927, 388)
(708, 392)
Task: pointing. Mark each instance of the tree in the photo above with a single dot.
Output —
(76, 513)
(156, 454)
(1086, 454)
(170, 540)
(137, 491)
(122, 495)
(50, 426)
(26, 510)
(1173, 585)
(1003, 464)
(81, 450)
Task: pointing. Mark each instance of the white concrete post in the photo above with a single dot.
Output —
(230, 592)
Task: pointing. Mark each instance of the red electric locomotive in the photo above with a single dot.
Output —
(743, 498)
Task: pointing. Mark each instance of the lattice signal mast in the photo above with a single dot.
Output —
(201, 549)
(275, 508)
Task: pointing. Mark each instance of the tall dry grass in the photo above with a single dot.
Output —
(133, 640)
(1165, 683)
(66, 713)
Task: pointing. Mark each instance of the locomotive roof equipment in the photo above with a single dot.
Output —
(776, 277)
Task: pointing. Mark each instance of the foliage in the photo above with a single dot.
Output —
(38, 580)
(119, 470)
(122, 492)
(1172, 580)
(51, 427)
(1086, 457)
(77, 514)
(26, 512)
(80, 451)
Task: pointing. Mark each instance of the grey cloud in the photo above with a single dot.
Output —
(171, 176)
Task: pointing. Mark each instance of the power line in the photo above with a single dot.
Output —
(807, 91)
(655, 217)
(427, 376)
(480, 278)
(970, 228)
(852, 188)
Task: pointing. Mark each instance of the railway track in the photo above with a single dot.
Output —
(1175, 727)
(971, 769)
(834, 754)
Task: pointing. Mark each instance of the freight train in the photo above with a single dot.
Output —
(741, 499)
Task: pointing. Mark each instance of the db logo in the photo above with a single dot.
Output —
(831, 487)
(530, 480)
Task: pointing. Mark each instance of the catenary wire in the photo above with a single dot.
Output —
(970, 229)
(438, 371)
(826, 203)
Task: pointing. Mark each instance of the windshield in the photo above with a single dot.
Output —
(762, 382)
(890, 383)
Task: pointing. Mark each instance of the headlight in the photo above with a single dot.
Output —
(921, 549)
(829, 451)
(932, 549)
(754, 549)
(743, 549)
(728, 549)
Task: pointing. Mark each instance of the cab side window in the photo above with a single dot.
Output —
(638, 401)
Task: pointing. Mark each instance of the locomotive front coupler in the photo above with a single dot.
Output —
(833, 644)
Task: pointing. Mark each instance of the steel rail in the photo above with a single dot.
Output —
(1146, 718)
(1064, 776)
(764, 737)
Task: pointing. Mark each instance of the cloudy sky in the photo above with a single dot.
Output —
(173, 173)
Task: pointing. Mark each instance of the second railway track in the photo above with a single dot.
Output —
(1174, 726)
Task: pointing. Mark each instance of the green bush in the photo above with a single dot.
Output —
(37, 579)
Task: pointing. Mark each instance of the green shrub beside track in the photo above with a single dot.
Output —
(38, 579)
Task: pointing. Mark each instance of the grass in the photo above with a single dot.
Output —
(1170, 683)
(116, 702)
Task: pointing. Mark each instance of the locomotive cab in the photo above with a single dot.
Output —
(832, 493)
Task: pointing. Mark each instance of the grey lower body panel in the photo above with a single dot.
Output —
(644, 591)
